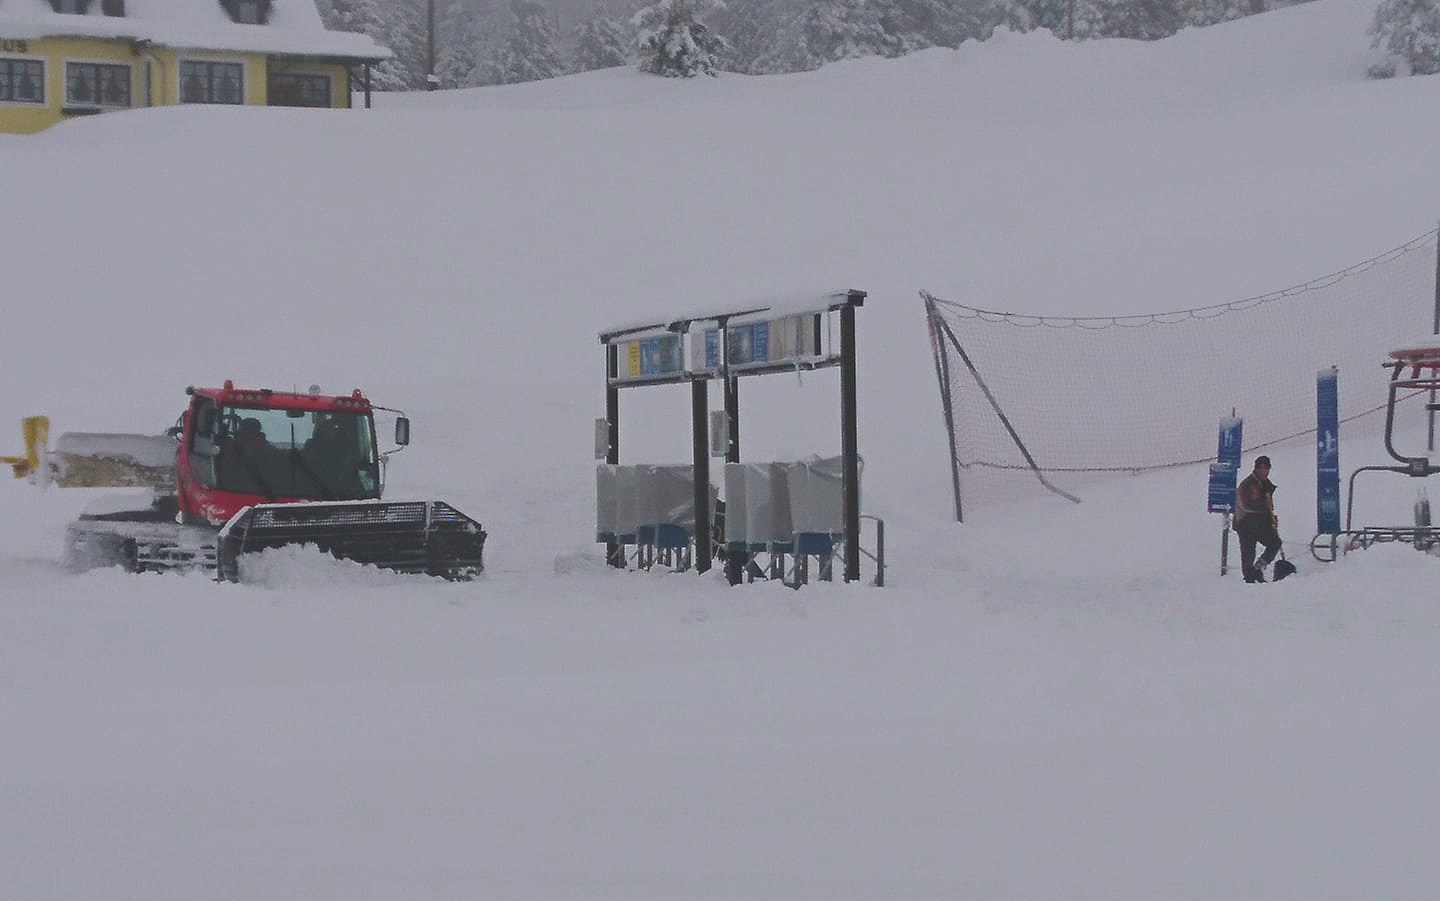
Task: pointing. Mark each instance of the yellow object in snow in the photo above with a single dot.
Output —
(37, 437)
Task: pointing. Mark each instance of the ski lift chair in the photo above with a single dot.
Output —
(1413, 369)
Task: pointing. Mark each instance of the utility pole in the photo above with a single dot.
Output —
(432, 81)
(1069, 20)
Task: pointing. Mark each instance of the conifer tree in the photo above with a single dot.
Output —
(832, 30)
(600, 43)
(1211, 12)
(393, 24)
(529, 49)
(759, 34)
(1409, 30)
(674, 43)
(459, 51)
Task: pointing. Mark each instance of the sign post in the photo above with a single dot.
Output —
(1224, 475)
(1327, 452)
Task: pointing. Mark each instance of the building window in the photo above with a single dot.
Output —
(71, 7)
(22, 81)
(299, 90)
(247, 12)
(97, 84)
(113, 7)
(202, 82)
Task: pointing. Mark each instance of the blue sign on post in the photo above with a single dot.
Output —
(1225, 471)
(1327, 451)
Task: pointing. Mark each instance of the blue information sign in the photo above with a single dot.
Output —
(1327, 451)
(1225, 471)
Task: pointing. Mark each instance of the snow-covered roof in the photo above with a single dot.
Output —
(759, 311)
(294, 27)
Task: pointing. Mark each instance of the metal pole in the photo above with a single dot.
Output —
(732, 412)
(700, 415)
(734, 560)
(431, 82)
(849, 443)
(942, 371)
(1435, 330)
(1225, 544)
(614, 552)
(1070, 20)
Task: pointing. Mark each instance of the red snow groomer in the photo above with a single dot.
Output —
(246, 470)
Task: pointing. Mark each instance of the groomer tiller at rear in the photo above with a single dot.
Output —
(266, 468)
(1255, 520)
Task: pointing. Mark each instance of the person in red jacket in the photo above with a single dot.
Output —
(1255, 520)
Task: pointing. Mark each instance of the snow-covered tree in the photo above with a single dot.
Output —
(459, 44)
(777, 37)
(1211, 12)
(528, 49)
(1409, 30)
(392, 23)
(1144, 20)
(754, 29)
(600, 43)
(1085, 21)
(917, 24)
(832, 30)
(675, 43)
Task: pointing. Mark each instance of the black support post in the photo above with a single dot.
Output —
(614, 552)
(735, 561)
(732, 413)
(849, 443)
(700, 415)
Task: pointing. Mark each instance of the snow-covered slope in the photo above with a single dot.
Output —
(1063, 702)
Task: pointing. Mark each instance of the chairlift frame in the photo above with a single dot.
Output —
(1416, 370)
(845, 303)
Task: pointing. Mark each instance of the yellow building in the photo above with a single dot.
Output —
(66, 58)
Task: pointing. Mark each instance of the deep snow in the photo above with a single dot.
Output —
(1061, 702)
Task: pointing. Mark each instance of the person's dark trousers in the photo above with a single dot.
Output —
(1253, 530)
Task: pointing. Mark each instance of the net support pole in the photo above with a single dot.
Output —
(614, 552)
(942, 372)
(700, 415)
(849, 443)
